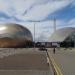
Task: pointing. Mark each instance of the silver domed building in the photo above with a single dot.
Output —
(64, 36)
(14, 35)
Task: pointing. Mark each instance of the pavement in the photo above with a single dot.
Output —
(65, 58)
(23, 61)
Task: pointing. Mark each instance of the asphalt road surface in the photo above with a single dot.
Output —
(23, 61)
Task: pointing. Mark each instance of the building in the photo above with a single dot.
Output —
(14, 35)
(64, 37)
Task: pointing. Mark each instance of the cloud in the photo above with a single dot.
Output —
(41, 11)
(71, 22)
(24, 11)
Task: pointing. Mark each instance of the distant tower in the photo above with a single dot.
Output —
(54, 24)
(34, 32)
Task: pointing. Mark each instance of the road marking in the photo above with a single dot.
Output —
(54, 65)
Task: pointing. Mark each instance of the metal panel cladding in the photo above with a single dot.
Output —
(14, 35)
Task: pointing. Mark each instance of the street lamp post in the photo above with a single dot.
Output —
(34, 35)
(35, 31)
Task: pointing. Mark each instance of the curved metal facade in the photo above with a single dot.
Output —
(14, 35)
(61, 34)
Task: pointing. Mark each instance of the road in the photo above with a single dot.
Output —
(65, 58)
(23, 61)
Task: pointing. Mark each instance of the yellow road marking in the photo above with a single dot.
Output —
(54, 65)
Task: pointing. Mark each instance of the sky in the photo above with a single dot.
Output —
(39, 12)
